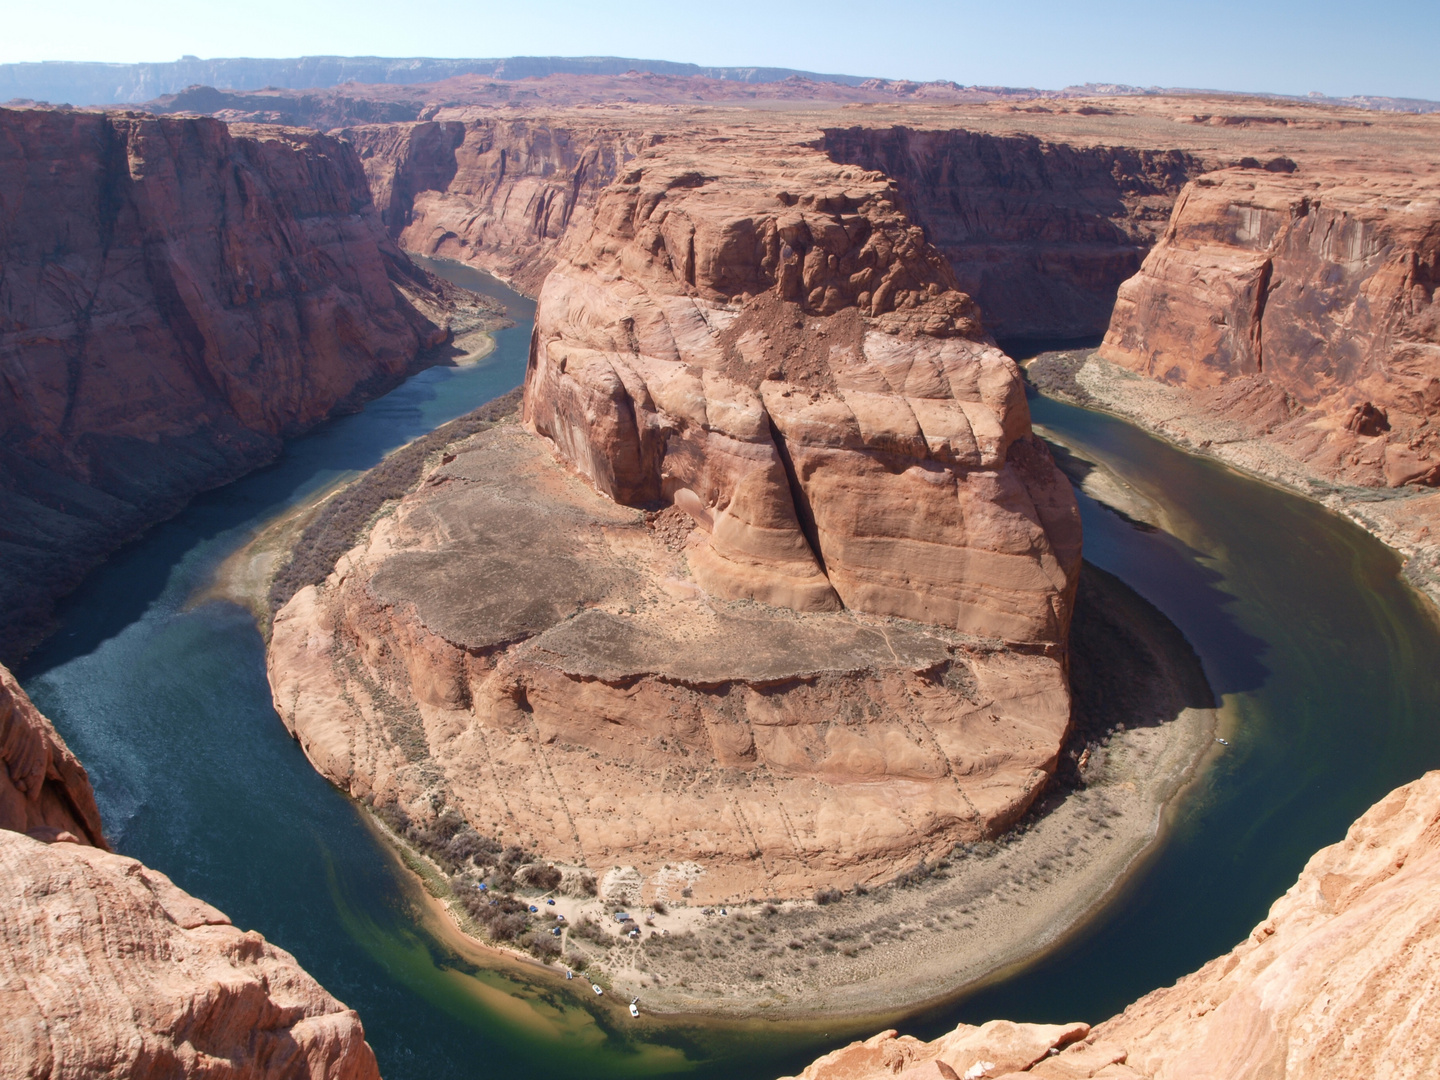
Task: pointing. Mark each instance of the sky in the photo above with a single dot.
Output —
(1384, 47)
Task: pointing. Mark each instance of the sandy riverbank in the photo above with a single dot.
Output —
(1142, 711)
(1406, 519)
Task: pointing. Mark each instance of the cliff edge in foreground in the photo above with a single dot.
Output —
(108, 969)
(1338, 982)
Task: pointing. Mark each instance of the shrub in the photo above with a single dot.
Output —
(545, 946)
(545, 877)
(828, 896)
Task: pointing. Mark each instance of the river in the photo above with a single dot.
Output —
(1325, 662)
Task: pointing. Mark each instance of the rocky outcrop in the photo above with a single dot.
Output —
(1040, 232)
(515, 646)
(780, 354)
(799, 622)
(1337, 982)
(44, 791)
(498, 194)
(177, 297)
(1300, 306)
(106, 968)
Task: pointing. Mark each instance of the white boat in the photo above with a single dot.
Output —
(634, 1009)
(596, 988)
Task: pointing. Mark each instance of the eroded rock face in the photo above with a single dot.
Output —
(44, 791)
(106, 968)
(799, 621)
(1041, 233)
(498, 194)
(1337, 982)
(514, 645)
(177, 297)
(1303, 304)
(778, 352)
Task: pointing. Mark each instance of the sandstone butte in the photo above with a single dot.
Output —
(108, 969)
(835, 644)
(178, 297)
(1337, 982)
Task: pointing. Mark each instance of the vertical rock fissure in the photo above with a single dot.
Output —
(1262, 294)
(803, 511)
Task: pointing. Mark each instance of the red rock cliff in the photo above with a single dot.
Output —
(108, 969)
(176, 298)
(498, 194)
(1040, 232)
(1304, 305)
(44, 791)
(763, 338)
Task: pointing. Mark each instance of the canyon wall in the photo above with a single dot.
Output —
(1302, 308)
(108, 969)
(498, 194)
(1337, 982)
(177, 297)
(1040, 232)
(44, 791)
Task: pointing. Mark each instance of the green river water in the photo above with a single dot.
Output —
(1326, 664)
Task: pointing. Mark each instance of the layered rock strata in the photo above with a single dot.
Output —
(498, 194)
(1338, 981)
(779, 353)
(177, 297)
(106, 968)
(514, 645)
(1040, 232)
(1301, 305)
